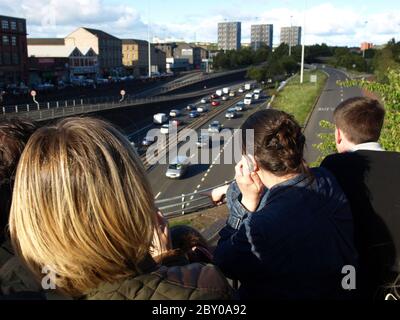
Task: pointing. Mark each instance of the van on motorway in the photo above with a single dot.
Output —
(257, 94)
(160, 118)
(248, 100)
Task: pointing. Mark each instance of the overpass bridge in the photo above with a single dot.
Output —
(41, 111)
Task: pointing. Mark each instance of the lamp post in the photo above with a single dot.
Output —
(303, 44)
(148, 38)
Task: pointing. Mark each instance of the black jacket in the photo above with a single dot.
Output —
(295, 245)
(371, 182)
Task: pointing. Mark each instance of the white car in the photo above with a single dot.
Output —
(177, 168)
(205, 100)
(225, 98)
(202, 109)
(241, 90)
(164, 129)
(175, 113)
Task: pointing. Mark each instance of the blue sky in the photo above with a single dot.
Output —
(336, 22)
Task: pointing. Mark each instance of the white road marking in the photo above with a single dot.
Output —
(158, 194)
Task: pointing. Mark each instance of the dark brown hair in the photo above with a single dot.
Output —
(361, 119)
(185, 238)
(278, 142)
(14, 134)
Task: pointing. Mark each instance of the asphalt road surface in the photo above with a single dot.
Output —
(202, 176)
(331, 97)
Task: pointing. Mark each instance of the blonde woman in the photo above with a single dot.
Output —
(83, 217)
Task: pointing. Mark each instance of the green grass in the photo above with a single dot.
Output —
(174, 223)
(298, 99)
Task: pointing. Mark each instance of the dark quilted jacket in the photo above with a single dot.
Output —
(189, 282)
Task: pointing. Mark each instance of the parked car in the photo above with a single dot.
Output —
(194, 114)
(101, 81)
(175, 113)
(177, 167)
(214, 127)
(215, 103)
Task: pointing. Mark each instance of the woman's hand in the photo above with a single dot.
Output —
(217, 195)
(249, 184)
(162, 242)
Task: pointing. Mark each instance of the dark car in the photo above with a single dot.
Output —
(194, 114)
(191, 107)
(214, 96)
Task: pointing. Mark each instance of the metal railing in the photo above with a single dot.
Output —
(187, 203)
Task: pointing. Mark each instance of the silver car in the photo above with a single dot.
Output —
(177, 168)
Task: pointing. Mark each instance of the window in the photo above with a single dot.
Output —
(4, 24)
(21, 27)
(6, 40)
(6, 58)
(15, 58)
(13, 25)
(13, 41)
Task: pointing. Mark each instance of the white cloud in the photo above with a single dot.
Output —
(324, 23)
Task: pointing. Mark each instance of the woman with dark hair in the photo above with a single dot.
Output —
(289, 234)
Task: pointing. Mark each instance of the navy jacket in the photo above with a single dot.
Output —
(295, 245)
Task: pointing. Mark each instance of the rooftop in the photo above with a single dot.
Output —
(45, 41)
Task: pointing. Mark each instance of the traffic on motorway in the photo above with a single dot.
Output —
(180, 176)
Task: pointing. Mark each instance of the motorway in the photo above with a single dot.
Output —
(202, 176)
(331, 97)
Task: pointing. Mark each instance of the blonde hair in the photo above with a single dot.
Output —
(82, 205)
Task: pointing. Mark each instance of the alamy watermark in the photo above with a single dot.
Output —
(214, 145)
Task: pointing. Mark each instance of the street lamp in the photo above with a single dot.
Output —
(148, 37)
(303, 43)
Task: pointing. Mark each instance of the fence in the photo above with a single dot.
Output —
(187, 203)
